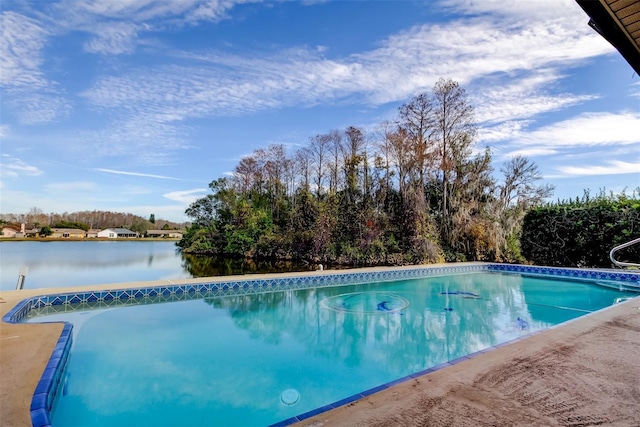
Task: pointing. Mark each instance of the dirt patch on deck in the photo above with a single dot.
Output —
(585, 373)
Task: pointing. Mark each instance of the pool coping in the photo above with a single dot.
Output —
(51, 381)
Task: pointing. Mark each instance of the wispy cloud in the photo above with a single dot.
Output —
(186, 196)
(113, 38)
(549, 10)
(611, 168)
(501, 99)
(148, 112)
(146, 138)
(117, 26)
(531, 152)
(13, 167)
(33, 97)
(173, 12)
(587, 129)
(234, 85)
(146, 175)
(39, 107)
(635, 90)
(21, 51)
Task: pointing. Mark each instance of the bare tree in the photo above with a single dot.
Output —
(383, 160)
(334, 166)
(520, 184)
(401, 154)
(303, 167)
(319, 147)
(454, 130)
(245, 175)
(417, 120)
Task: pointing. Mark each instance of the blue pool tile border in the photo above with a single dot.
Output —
(245, 286)
(629, 278)
(52, 380)
(177, 292)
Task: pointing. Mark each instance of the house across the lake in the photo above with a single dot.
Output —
(13, 230)
(18, 231)
(68, 233)
(171, 234)
(92, 233)
(118, 233)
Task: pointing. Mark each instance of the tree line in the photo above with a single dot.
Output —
(414, 190)
(84, 220)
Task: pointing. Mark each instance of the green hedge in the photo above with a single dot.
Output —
(582, 233)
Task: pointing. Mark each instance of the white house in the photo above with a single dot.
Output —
(117, 233)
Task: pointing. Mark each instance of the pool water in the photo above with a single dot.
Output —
(257, 359)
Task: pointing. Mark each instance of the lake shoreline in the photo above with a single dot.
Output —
(55, 262)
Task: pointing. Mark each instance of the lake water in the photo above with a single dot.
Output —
(77, 263)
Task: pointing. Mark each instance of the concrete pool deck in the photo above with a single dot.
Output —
(585, 372)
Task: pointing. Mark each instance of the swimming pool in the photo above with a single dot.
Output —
(259, 352)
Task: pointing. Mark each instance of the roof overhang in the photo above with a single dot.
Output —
(618, 21)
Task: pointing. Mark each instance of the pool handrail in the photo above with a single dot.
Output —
(622, 246)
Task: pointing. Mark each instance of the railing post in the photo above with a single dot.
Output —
(21, 276)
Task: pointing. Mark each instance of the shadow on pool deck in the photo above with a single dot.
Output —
(586, 372)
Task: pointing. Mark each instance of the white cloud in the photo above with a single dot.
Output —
(536, 9)
(113, 38)
(21, 51)
(117, 26)
(153, 107)
(4, 131)
(44, 106)
(148, 111)
(522, 97)
(412, 60)
(530, 152)
(615, 167)
(213, 11)
(139, 137)
(136, 10)
(186, 196)
(33, 98)
(502, 131)
(587, 129)
(13, 167)
(150, 10)
(136, 174)
(635, 90)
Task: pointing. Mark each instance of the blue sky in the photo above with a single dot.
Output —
(135, 106)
